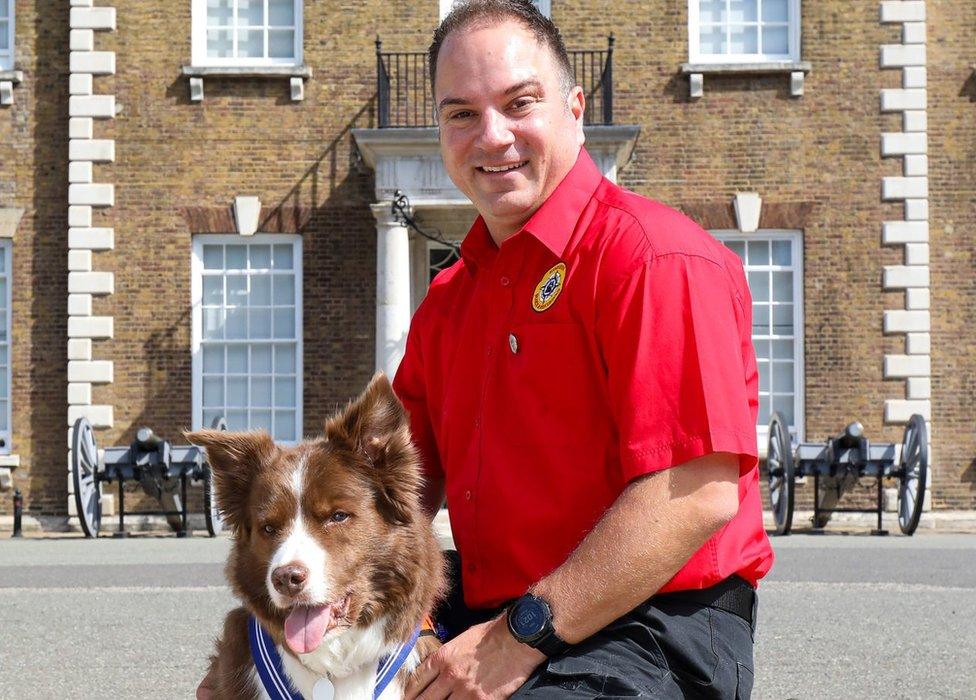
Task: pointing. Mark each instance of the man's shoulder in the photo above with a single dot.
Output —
(639, 230)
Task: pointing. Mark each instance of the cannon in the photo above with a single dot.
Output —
(838, 464)
(161, 469)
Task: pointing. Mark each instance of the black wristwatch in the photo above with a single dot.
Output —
(530, 622)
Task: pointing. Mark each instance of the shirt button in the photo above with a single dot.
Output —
(505, 281)
(467, 495)
(513, 343)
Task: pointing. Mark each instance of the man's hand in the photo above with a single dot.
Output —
(484, 662)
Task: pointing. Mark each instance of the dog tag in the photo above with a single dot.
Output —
(323, 690)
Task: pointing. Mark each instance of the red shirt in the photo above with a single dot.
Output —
(607, 339)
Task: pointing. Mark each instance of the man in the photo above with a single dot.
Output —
(582, 384)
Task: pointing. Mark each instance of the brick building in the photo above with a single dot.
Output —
(195, 205)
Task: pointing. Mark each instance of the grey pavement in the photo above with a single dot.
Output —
(841, 616)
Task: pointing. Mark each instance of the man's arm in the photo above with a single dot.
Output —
(650, 531)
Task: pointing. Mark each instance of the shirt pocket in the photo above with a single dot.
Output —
(547, 385)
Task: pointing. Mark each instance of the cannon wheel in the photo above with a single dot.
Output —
(210, 511)
(779, 461)
(914, 471)
(84, 477)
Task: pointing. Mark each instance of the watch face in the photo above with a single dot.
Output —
(529, 618)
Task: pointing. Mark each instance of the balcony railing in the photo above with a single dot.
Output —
(404, 96)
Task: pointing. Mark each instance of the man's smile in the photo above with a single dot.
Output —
(501, 168)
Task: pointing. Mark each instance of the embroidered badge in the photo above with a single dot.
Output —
(549, 287)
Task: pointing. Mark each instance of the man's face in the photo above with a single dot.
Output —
(508, 132)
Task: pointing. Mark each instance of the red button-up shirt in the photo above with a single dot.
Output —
(607, 339)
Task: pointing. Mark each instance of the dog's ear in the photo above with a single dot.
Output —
(234, 460)
(376, 430)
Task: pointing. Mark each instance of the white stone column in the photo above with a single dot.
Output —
(392, 288)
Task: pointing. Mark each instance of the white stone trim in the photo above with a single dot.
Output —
(79, 261)
(88, 149)
(81, 127)
(899, 143)
(900, 276)
(94, 371)
(100, 417)
(748, 208)
(82, 40)
(904, 232)
(9, 220)
(92, 18)
(79, 349)
(918, 343)
(917, 299)
(80, 171)
(90, 326)
(900, 55)
(79, 393)
(95, 62)
(917, 209)
(80, 84)
(907, 366)
(91, 238)
(247, 212)
(80, 305)
(900, 410)
(392, 288)
(898, 321)
(918, 388)
(91, 283)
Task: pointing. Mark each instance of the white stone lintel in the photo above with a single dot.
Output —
(748, 208)
(247, 213)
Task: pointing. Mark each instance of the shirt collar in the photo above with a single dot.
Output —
(553, 223)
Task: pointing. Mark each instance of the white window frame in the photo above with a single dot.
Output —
(694, 38)
(798, 430)
(7, 56)
(7, 246)
(199, 41)
(420, 267)
(196, 300)
(545, 7)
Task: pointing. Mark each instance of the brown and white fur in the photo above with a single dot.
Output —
(332, 526)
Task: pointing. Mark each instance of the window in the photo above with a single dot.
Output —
(6, 34)
(774, 267)
(427, 258)
(247, 333)
(545, 7)
(247, 32)
(5, 378)
(747, 31)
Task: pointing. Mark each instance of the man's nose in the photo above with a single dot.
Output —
(289, 579)
(496, 131)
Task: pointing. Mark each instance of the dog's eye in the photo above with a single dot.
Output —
(268, 530)
(339, 517)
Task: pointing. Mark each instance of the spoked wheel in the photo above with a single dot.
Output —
(84, 477)
(914, 471)
(210, 511)
(779, 461)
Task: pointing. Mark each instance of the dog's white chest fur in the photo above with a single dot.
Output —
(349, 660)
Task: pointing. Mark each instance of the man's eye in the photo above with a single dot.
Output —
(339, 516)
(521, 104)
(464, 114)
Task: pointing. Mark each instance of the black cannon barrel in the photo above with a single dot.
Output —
(147, 439)
(851, 437)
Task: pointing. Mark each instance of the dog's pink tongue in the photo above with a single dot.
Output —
(305, 627)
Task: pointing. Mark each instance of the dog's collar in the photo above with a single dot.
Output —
(266, 659)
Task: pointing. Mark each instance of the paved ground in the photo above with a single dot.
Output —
(841, 616)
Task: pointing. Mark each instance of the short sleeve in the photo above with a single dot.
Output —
(410, 386)
(675, 336)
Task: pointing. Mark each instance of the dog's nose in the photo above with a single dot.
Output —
(289, 579)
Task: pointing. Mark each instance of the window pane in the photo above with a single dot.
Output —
(782, 253)
(3, 8)
(783, 319)
(213, 290)
(712, 40)
(763, 418)
(237, 391)
(3, 355)
(4, 45)
(220, 43)
(285, 425)
(236, 290)
(284, 392)
(261, 420)
(250, 44)
(759, 286)
(261, 391)
(237, 420)
(236, 324)
(281, 43)
(284, 290)
(261, 359)
(763, 375)
(711, 11)
(760, 319)
(744, 40)
(236, 257)
(742, 11)
(284, 359)
(209, 416)
(236, 359)
(282, 257)
(260, 257)
(213, 391)
(284, 323)
(213, 257)
(250, 13)
(784, 404)
(774, 11)
(3, 415)
(220, 13)
(783, 350)
(739, 248)
(776, 40)
(758, 253)
(783, 377)
(213, 359)
(282, 13)
(213, 326)
(761, 348)
(782, 286)
(260, 320)
(260, 291)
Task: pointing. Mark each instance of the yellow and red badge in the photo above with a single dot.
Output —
(549, 287)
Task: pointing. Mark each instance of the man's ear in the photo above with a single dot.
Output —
(234, 460)
(375, 429)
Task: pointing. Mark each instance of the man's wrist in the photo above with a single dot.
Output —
(530, 622)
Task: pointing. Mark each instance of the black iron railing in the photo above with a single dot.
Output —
(403, 86)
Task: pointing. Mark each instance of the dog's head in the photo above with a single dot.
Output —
(315, 525)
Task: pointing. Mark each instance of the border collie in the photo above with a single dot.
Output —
(332, 553)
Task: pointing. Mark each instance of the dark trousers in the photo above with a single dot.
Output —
(664, 648)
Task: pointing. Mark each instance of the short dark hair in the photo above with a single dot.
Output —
(465, 14)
